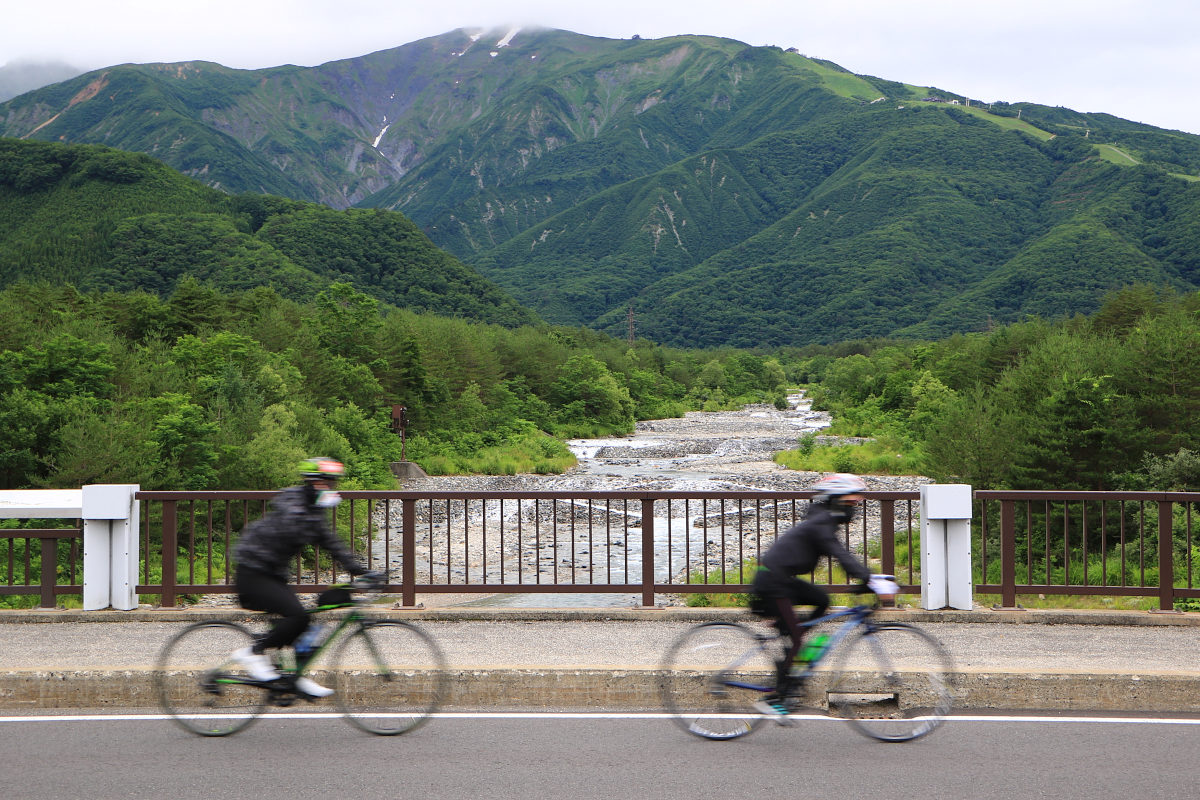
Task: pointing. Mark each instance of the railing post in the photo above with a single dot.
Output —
(110, 546)
(1166, 559)
(408, 559)
(946, 580)
(49, 571)
(887, 540)
(170, 549)
(648, 551)
(1008, 555)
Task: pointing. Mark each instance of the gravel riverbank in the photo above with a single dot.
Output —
(701, 451)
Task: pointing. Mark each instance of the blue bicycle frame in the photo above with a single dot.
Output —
(854, 617)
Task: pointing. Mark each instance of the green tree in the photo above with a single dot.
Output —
(1078, 436)
(586, 391)
(972, 440)
(181, 439)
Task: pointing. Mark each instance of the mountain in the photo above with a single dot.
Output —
(729, 194)
(104, 219)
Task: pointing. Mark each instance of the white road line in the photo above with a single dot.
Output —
(553, 715)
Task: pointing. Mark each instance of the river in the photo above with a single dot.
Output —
(714, 451)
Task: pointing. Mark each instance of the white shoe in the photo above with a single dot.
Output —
(257, 665)
(312, 688)
(776, 710)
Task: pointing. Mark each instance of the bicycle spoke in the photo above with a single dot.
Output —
(200, 687)
(390, 677)
(710, 677)
(892, 683)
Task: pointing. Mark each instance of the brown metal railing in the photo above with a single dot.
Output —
(1024, 542)
(1088, 543)
(18, 562)
(521, 542)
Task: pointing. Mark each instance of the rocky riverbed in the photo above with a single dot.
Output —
(701, 451)
(560, 541)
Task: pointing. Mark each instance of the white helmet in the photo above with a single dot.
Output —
(838, 484)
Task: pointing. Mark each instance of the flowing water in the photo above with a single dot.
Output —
(709, 451)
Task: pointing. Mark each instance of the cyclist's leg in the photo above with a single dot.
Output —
(799, 592)
(772, 599)
(261, 591)
(785, 612)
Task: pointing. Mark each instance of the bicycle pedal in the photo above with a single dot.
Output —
(282, 700)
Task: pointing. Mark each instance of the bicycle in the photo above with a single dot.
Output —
(389, 675)
(892, 682)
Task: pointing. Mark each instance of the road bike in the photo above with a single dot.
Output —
(388, 675)
(891, 681)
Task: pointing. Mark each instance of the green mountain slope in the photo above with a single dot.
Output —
(731, 194)
(102, 219)
(890, 246)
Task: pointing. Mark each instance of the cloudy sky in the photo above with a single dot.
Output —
(1136, 59)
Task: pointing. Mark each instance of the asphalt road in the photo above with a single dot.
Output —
(572, 757)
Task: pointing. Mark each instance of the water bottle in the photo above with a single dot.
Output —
(815, 648)
(308, 641)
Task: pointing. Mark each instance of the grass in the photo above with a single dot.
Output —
(873, 457)
(843, 84)
(1069, 602)
(1116, 155)
(1008, 123)
(535, 454)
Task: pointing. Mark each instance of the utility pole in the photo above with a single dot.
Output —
(629, 319)
(400, 426)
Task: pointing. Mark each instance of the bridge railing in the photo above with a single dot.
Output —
(1135, 544)
(47, 562)
(1088, 543)
(628, 542)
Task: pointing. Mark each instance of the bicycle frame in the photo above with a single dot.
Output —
(855, 617)
(354, 617)
(289, 675)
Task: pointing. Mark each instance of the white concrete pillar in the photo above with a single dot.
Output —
(946, 546)
(110, 546)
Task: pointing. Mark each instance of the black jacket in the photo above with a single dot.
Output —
(270, 544)
(798, 549)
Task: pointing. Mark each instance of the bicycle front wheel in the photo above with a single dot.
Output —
(711, 676)
(200, 686)
(892, 682)
(390, 677)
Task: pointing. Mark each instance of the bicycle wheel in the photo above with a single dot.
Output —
(390, 677)
(891, 682)
(712, 675)
(200, 686)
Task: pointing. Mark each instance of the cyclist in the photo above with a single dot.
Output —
(268, 545)
(777, 588)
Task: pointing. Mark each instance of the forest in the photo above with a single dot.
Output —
(228, 390)
(207, 390)
(1100, 402)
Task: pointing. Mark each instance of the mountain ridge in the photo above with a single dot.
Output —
(587, 175)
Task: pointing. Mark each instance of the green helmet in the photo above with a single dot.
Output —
(322, 468)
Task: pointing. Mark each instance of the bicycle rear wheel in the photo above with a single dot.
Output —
(891, 682)
(711, 676)
(390, 677)
(200, 686)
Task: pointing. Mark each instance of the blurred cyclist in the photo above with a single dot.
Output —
(267, 547)
(777, 588)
